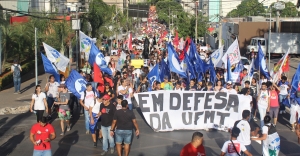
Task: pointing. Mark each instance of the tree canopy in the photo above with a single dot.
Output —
(247, 8)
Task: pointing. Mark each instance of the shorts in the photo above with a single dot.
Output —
(274, 112)
(94, 126)
(64, 114)
(50, 101)
(123, 135)
(42, 152)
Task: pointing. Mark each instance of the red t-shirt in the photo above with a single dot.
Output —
(42, 133)
(274, 98)
(190, 150)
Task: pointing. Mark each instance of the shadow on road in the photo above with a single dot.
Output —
(11, 144)
(14, 121)
(65, 143)
(284, 120)
(174, 149)
(287, 147)
(3, 120)
(32, 85)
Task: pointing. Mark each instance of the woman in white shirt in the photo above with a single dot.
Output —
(39, 103)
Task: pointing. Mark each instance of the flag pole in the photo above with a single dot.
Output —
(36, 67)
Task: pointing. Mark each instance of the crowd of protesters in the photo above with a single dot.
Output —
(103, 109)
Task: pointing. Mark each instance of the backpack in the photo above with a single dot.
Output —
(17, 71)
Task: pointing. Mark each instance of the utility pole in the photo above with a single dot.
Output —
(0, 51)
(169, 19)
(196, 21)
(269, 37)
(76, 31)
(220, 26)
(36, 59)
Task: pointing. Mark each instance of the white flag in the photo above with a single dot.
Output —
(276, 75)
(85, 44)
(233, 52)
(216, 57)
(59, 60)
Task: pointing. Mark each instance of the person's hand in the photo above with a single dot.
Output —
(47, 140)
(86, 108)
(35, 143)
(46, 110)
(31, 110)
(92, 122)
(137, 132)
(111, 133)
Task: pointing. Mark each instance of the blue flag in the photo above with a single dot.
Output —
(189, 68)
(228, 70)
(98, 57)
(174, 63)
(260, 63)
(50, 68)
(153, 75)
(212, 72)
(76, 83)
(239, 67)
(164, 70)
(295, 84)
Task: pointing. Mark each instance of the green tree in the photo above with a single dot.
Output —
(290, 10)
(247, 8)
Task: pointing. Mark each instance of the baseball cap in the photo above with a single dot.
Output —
(106, 97)
(229, 82)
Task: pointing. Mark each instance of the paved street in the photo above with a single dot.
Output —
(14, 132)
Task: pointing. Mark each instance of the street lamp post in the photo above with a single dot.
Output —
(269, 37)
(36, 60)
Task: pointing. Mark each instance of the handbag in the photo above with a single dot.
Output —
(235, 148)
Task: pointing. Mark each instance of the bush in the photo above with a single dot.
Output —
(8, 79)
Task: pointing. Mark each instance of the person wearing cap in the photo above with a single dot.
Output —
(229, 88)
(107, 110)
(16, 70)
(64, 109)
(233, 146)
(195, 147)
(95, 114)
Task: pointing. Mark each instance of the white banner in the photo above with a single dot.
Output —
(192, 110)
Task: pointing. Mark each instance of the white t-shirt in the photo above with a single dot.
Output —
(107, 59)
(137, 72)
(53, 89)
(127, 95)
(283, 89)
(96, 107)
(13, 67)
(229, 149)
(62, 82)
(244, 136)
(263, 99)
(265, 149)
(231, 91)
(89, 98)
(119, 106)
(39, 101)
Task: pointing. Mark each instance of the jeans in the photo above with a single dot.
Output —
(87, 120)
(17, 83)
(106, 135)
(281, 98)
(50, 101)
(248, 147)
(130, 106)
(123, 135)
(262, 114)
(42, 153)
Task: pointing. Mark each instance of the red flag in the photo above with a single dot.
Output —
(176, 39)
(98, 77)
(129, 41)
(286, 65)
(185, 49)
(165, 33)
(110, 81)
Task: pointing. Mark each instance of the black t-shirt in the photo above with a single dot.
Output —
(124, 119)
(110, 92)
(107, 114)
(144, 87)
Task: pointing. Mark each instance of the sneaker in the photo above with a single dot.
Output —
(280, 112)
(87, 132)
(81, 114)
(104, 153)
(254, 119)
(19, 92)
(15, 93)
(68, 128)
(100, 140)
(95, 144)
(112, 150)
(62, 133)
